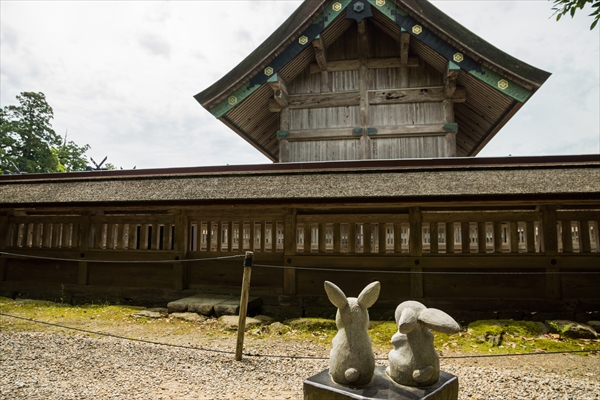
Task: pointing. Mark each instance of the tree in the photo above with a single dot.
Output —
(28, 142)
(71, 156)
(564, 7)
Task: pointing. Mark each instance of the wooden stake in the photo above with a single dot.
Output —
(244, 304)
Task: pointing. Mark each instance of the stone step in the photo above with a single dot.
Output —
(212, 304)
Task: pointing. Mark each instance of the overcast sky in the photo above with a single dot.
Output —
(120, 76)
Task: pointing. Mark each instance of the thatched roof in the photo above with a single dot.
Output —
(409, 180)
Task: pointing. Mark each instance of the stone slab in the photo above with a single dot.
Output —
(231, 306)
(321, 387)
(199, 303)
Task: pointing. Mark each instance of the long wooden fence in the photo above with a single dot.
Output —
(414, 251)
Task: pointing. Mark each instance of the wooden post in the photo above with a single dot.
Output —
(530, 235)
(382, 237)
(584, 237)
(4, 227)
(481, 238)
(363, 77)
(465, 235)
(83, 273)
(180, 271)
(244, 304)
(289, 250)
(449, 237)
(415, 242)
(514, 237)
(433, 238)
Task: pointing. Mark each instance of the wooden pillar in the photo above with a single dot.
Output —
(83, 273)
(497, 237)
(514, 237)
(584, 236)
(322, 238)
(219, 235)
(481, 238)
(550, 235)
(382, 237)
(180, 269)
(252, 238)
(530, 236)
(351, 238)
(549, 230)
(307, 237)
(465, 235)
(367, 238)
(337, 238)
(449, 237)
(433, 238)
(415, 241)
(567, 236)
(397, 238)
(289, 250)
(363, 86)
(4, 237)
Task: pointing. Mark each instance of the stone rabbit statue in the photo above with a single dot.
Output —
(352, 362)
(414, 361)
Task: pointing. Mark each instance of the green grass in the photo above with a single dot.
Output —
(514, 336)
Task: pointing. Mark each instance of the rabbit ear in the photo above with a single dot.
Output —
(407, 321)
(369, 295)
(438, 321)
(335, 294)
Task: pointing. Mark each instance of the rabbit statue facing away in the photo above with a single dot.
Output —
(414, 361)
(351, 361)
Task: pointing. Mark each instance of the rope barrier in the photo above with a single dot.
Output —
(277, 356)
(429, 272)
(119, 261)
(408, 272)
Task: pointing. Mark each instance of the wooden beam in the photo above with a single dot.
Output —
(411, 130)
(324, 100)
(320, 53)
(372, 63)
(277, 83)
(415, 95)
(392, 62)
(321, 134)
(452, 71)
(404, 45)
(281, 98)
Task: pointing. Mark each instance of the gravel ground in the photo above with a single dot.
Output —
(60, 366)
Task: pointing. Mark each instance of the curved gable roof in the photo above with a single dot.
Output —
(240, 88)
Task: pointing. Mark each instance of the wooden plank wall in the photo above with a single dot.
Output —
(331, 126)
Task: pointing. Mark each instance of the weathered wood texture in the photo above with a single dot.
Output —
(361, 85)
(411, 250)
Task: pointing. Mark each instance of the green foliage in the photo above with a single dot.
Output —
(28, 142)
(570, 7)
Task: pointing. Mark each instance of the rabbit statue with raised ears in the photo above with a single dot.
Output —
(414, 361)
(351, 361)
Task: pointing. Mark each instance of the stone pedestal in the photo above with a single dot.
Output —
(321, 387)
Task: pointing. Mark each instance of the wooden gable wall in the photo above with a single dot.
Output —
(404, 113)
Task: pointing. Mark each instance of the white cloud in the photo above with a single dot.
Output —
(121, 75)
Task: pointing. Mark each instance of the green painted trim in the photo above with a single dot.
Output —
(371, 131)
(357, 131)
(452, 66)
(282, 134)
(272, 79)
(451, 127)
(241, 94)
(228, 104)
(502, 84)
(389, 9)
(491, 78)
